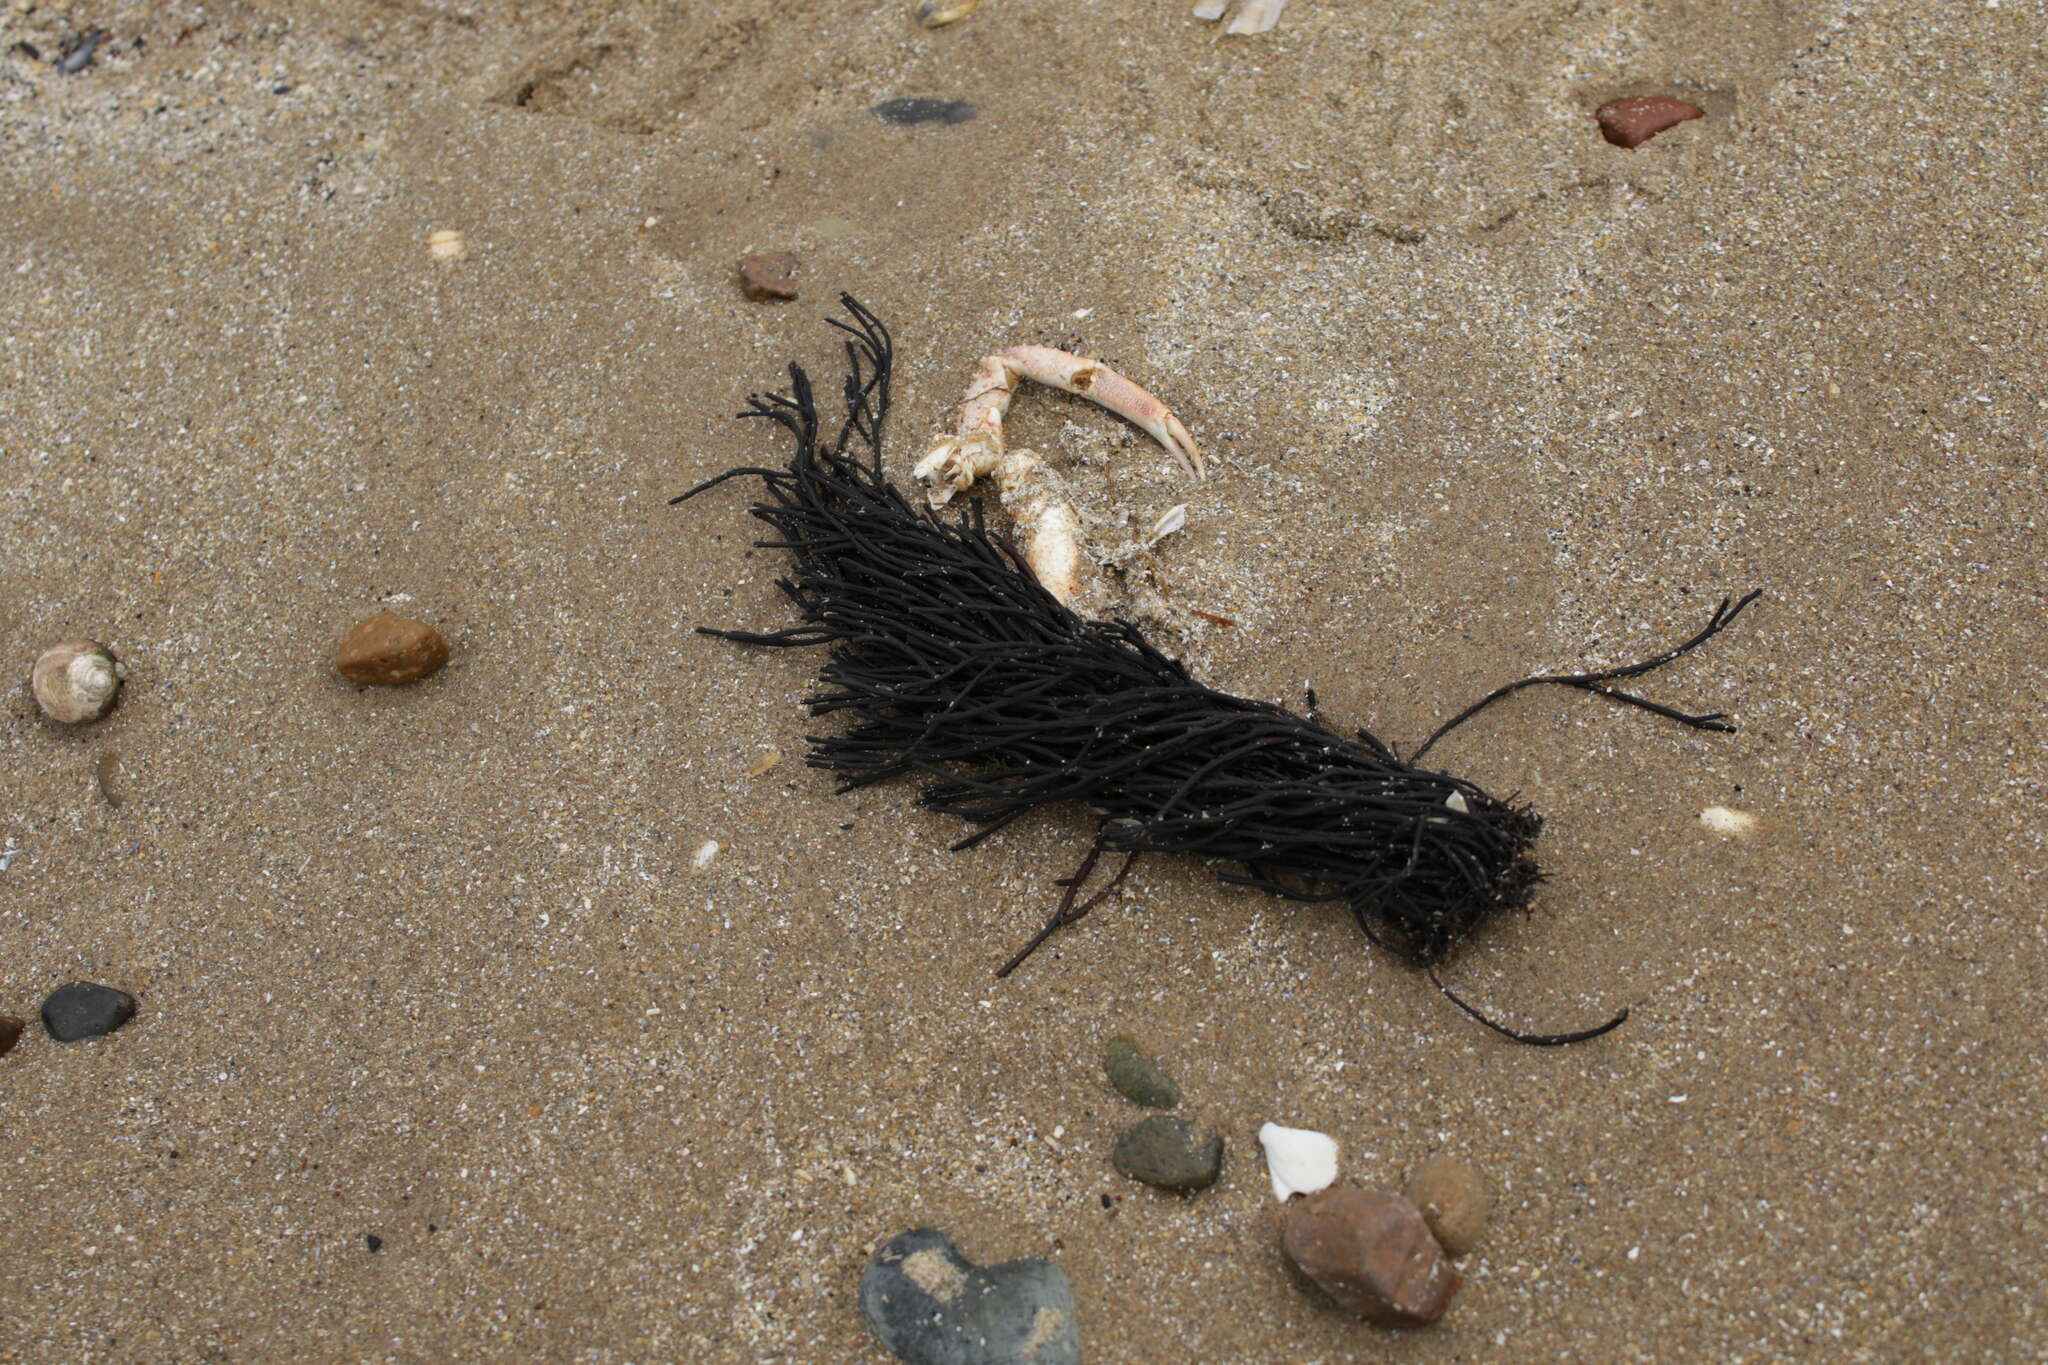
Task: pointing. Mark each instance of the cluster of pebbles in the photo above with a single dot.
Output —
(1384, 1257)
(77, 682)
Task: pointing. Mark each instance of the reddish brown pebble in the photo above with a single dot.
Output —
(10, 1032)
(1373, 1254)
(387, 650)
(772, 276)
(1632, 122)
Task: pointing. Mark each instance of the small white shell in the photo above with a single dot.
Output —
(75, 681)
(706, 851)
(1736, 824)
(1300, 1160)
(1456, 801)
(1172, 520)
(446, 244)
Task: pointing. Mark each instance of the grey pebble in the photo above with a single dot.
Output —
(932, 1306)
(1167, 1152)
(912, 110)
(1136, 1076)
(84, 1010)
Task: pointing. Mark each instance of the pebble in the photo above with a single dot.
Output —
(769, 276)
(10, 1032)
(85, 1010)
(1136, 1076)
(1167, 1152)
(911, 111)
(1632, 122)
(1373, 1254)
(938, 13)
(388, 650)
(932, 1306)
(1452, 1196)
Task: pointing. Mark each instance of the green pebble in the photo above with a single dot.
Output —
(1136, 1076)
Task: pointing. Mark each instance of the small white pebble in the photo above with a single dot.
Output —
(445, 244)
(1678, 1099)
(1080, 313)
(705, 853)
(1300, 1160)
(1726, 820)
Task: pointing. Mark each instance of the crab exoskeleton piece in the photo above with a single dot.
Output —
(1032, 493)
(1253, 16)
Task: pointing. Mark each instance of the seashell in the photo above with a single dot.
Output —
(1172, 520)
(1300, 1160)
(75, 681)
(1736, 824)
(937, 13)
(706, 851)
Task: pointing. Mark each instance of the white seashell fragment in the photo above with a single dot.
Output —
(1456, 801)
(705, 853)
(1170, 521)
(1256, 16)
(1210, 9)
(445, 244)
(1300, 1160)
(1735, 824)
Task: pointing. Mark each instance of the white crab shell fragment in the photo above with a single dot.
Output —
(1035, 496)
(1726, 820)
(1300, 1160)
(1253, 16)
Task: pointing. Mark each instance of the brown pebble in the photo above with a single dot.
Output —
(10, 1032)
(770, 276)
(107, 773)
(1373, 1254)
(388, 649)
(1452, 1197)
(1632, 122)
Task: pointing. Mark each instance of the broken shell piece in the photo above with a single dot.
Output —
(1253, 16)
(1172, 520)
(1300, 1160)
(75, 681)
(1456, 801)
(706, 851)
(938, 13)
(445, 244)
(1735, 824)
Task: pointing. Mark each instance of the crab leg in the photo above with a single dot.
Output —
(1034, 495)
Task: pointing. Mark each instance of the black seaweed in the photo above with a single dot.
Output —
(954, 664)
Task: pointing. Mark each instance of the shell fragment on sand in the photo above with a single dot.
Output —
(1300, 1160)
(1729, 822)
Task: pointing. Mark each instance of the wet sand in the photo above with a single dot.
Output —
(1483, 395)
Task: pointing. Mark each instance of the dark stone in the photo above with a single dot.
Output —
(910, 111)
(10, 1032)
(1167, 1152)
(1136, 1076)
(373, 1242)
(83, 1010)
(932, 1306)
(769, 276)
(1632, 122)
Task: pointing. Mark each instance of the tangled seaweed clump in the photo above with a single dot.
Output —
(955, 665)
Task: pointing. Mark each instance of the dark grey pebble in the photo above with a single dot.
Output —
(84, 1010)
(1167, 1152)
(932, 1306)
(78, 53)
(908, 111)
(373, 1242)
(1136, 1076)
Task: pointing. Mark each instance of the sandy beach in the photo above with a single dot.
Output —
(448, 1049)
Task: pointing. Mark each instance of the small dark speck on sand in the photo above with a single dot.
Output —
(281, 88)
(909, 111)
(373, 1242)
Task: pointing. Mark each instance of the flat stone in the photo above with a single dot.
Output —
(1136, 1076)
(1632, 122)
(1452, 1196)
(769, 276)
(932, 1306)
(388, 650)
(1373, 1254)
(913, 111)
(1167, 1152)
(84, 1010)
(10, 1032)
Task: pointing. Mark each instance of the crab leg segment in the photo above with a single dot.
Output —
(1034, 495)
